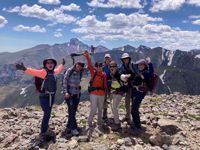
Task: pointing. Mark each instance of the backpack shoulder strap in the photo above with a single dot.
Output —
(81, 74)
(94, 76)
(70, 73)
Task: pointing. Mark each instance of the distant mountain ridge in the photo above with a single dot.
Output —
(179, 71)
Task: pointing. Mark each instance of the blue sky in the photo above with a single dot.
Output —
(173, 24)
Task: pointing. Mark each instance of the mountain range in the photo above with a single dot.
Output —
(179, 71)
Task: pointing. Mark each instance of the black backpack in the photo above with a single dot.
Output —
(48, 84)
(152, 82)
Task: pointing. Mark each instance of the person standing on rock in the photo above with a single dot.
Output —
(46, 79)
(97, 90)
(127, 67)
(72, 93)
(118, 88)
(106, 69)
(140, 88)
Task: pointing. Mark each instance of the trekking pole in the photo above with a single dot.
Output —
(81, 54)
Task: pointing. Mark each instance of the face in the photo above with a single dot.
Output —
(78, 68)
(113, 69)
(126, 61)
(141, 67)
(99, 67)
(50, 65)
(107, 60)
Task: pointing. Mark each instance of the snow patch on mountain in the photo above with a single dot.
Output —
(23, 91)
(170, 57)
(197, 56)
(163, 51)
(162, 76)
(163, 81)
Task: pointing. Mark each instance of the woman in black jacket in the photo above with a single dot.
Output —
(140, 88)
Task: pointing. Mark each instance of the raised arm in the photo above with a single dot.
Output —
(59, 69)
(37, 73)
(89, 62)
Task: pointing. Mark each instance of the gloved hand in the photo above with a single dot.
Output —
(63, 61)
(148, 59)
(20, 67)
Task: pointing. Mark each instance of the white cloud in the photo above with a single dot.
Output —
(58, 33)
(3, 21)
(197, 22)
(71, 7)
(36, 11)
(36, 28)
(115, 3)
(166, 5)
(194, 16)
(194, 2)
(53, 2)
(138, 28)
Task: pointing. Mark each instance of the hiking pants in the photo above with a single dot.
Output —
(105, 105)
(45, 104)
(128, 103)
(72, 104)
(116, 98)
(136, 101)
(96, 103)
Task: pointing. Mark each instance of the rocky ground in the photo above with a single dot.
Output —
(170, 122)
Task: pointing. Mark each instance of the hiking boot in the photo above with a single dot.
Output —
(75, 132)
(128, 120)
(116, 127)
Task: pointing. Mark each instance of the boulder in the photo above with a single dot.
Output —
(160, 139)
(170, 127)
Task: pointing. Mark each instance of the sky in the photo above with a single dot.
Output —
(172, 24)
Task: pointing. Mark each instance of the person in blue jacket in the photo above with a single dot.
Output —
(106, 69)
(140, 88)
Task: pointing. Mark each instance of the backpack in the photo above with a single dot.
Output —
(152, 82)
(70, 74)
(91, 88)
(43, 85)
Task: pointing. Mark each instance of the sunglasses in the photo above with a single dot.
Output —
(98, 65)
(113, 66)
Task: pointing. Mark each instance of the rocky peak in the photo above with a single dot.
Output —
(74, 41)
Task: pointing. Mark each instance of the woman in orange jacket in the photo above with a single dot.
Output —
(97, 90)
(47, 87)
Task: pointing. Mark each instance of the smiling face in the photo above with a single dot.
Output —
(113, 69)
(78, 68)
(141, 67)
(99, 67)
(107, 60)
(50, 65)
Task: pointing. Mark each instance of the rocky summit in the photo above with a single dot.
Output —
(169, 122)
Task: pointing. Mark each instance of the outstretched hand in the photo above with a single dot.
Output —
(63, 61)
(20, 67)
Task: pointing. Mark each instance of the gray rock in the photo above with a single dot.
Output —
(159, 139)
(100, 147)
(138, 147)
(171, 127)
